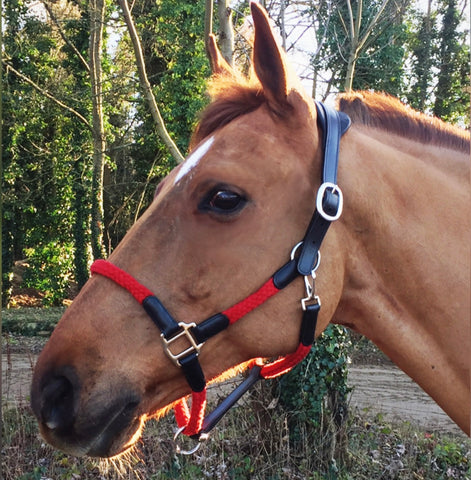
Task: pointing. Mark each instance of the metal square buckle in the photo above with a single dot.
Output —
(185, 332)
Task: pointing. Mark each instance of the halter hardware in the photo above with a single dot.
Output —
(329, 204)
(185, 332)
(321, 201)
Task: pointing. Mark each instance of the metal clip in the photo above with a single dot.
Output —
(309, 285)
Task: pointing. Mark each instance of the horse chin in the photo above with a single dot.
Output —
(118, 436)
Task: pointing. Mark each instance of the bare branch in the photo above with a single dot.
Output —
(208, 25)
(47, 94)
(145, 85)
(64, 36)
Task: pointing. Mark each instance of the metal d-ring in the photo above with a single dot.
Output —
(318, 258)
(202, 438)
(295, 248)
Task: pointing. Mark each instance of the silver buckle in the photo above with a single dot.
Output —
(320, 197)
(185, 332)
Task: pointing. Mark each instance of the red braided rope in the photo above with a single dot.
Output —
(284, 364)
(191, 420)
(251, 302)
(122, 278)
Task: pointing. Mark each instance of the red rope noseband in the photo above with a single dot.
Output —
(122, 278)
(250, 303)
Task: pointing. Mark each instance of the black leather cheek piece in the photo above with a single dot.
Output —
(193, 372)
(311, 244)
(308, 324)
(333, 125)
(160, 316)
(285, 275)
(210, 327)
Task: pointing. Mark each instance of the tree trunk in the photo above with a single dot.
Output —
(97, 19)
(208, 25)
(358, 39)
(424, 69)
(146, 87)
(226, 32)
(448, 51)
(352, 59)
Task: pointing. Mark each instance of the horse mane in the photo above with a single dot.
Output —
(235, 95)
(388, 113)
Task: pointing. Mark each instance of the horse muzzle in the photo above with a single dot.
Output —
(84, 423)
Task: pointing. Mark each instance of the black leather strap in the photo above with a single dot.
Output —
(210, 327)
(193, 372)
(333, 125)
(308, 324)
(215, 416)
(160, 316)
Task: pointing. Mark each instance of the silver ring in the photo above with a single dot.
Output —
(203, 437)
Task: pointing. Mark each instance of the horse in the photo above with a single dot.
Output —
(395, 261)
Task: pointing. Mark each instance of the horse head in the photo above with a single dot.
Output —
(220, 224)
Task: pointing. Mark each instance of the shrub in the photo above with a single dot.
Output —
(51, 265)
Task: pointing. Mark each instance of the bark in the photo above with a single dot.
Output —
(226, 32)
(146, 87)
(97, 19)
(426, 67)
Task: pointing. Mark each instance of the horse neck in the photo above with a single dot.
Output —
(408, 264)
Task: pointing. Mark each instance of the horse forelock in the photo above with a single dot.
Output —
(232, 97)
(388, 113)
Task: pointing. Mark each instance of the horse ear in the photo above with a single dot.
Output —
(219, 66)
(268, 59)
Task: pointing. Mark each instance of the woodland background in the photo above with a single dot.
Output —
(88, 130)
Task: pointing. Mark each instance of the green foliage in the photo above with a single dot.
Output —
(47, 158)
(322, 373)
(314, 397)
(42, 145)
(453, 64)
(171, 34)
(381, 67)
(173, 41)
(380, 63)
(439, 53)
(51, 265)
(30, 322)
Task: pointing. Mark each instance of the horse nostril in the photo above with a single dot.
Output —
(57, 406)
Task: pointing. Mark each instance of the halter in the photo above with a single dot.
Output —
(304, 261)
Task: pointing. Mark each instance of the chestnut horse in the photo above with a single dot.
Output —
(395, 265)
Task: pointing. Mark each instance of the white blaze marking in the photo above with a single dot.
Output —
(193, 159)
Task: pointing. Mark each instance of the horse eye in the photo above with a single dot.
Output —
(223, 201)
